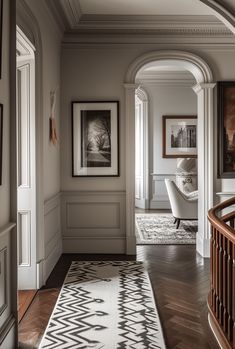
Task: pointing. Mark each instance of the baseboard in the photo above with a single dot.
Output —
(94, 245)
(203, 246)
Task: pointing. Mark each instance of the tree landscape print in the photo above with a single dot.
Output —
(96, 138)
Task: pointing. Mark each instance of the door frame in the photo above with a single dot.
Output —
(28, 23)
(143, 97)
(205, 101)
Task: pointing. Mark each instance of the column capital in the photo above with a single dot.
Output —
(203, 86)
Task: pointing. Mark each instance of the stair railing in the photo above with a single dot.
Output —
(221, 300)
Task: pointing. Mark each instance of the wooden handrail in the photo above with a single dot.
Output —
(221, 300)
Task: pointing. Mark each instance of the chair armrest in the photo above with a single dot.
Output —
(192, 195)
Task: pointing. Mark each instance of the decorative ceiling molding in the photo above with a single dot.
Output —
(225, 12)
(150, 23)
(68, 15)
(72, 11)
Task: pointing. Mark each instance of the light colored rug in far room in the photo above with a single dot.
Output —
(159, 229)
(105, 305)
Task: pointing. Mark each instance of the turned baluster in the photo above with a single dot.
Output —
(225, 283)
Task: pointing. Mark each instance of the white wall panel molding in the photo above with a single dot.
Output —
(159, 199)
(5, 274)
(53, 239)
(24, 238)
(8, 333)
(93, 221)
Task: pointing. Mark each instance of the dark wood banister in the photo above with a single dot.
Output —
(221, 300)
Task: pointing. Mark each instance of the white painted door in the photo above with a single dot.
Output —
(27, 271)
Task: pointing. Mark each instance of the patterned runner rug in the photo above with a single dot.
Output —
(105, 305)
(159, 229)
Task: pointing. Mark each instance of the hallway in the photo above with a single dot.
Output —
(180, 279)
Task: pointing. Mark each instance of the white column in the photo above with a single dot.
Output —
(204, 92)
(130, 168)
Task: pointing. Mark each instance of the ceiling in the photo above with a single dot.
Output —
(174, 17)
(146, 7)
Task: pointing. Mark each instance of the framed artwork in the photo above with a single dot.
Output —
(226, 129)
(1, 141)
(179, 136)
(95, 139)
(1, 19)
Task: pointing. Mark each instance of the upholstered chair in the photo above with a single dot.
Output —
(184, 207)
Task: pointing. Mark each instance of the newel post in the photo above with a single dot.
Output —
(206, 118)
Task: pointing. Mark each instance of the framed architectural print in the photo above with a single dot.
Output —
(1, 141)
(95, 143)
(226, 129)
(179, 136)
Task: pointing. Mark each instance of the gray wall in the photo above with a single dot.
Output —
(97, 72)
(164, 100)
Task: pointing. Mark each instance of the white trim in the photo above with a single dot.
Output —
(143, 97)
(222, 13)
(203, 75)
(30, 27)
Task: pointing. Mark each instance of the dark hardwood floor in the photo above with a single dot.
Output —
(25, 298)
(180, 280)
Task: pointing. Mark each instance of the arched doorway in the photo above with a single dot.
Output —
(204, 90)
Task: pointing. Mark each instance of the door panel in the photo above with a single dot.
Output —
(26, 175)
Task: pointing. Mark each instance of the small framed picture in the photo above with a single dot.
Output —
(95, 138)
(226, 129)
(1, 141)
(179, 136)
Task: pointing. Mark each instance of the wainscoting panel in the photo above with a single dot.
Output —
(160, 198)
(93, 222)
(53, 239)
(6, 273)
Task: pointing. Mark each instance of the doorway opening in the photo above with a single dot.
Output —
(26, 172)
(204, 91)
(165, 150)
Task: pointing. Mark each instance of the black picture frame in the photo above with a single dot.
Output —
(1, 27)
(95, 138)
(1, 141)
(226, 128)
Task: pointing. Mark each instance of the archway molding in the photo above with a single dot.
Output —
(204, 90)
(142, 95)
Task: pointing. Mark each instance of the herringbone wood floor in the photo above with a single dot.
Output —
(180, 280)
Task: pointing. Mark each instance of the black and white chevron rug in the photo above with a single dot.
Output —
(105, 305)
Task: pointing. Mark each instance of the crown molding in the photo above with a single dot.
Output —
(154, 25)
(69, 16)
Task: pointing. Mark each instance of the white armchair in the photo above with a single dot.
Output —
(184, 207)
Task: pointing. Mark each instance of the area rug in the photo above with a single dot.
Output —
(105, 305)
(159, 229)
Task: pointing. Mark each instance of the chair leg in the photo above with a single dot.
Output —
(175, 220)
(178, 223)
